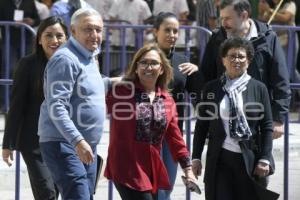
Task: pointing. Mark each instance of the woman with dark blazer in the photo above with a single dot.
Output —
(26, 98)
(235, 114)
(185, 78)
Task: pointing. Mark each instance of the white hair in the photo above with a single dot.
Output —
(83, 12)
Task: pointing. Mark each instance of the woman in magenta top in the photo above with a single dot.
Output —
(143, 113)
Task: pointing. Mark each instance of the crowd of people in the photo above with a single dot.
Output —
(240, 92)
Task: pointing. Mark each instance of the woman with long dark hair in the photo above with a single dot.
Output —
(185, 78)
(27, 95)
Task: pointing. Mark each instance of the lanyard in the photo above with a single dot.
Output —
(17, 3)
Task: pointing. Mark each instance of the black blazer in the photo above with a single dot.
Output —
(26, 98)
(258, 147)
(182, 83)
(7, 8)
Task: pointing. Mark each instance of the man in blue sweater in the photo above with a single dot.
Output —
(73, 112)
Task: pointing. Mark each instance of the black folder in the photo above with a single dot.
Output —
(99, 168)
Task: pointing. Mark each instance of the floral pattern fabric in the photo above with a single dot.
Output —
(151, 118)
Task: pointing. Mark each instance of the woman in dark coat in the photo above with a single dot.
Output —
(27, 95)
(185, 78)
(236, 116)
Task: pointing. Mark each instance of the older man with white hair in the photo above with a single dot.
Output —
(73, 112)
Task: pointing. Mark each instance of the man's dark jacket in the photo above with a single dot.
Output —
(7, 9)
(268, 66)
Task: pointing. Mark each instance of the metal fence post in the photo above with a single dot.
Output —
(188, 134)
(7, 81)
(286, 159)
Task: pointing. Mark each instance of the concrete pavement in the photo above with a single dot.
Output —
(276, 181)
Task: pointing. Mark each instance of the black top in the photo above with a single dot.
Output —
(26, 98)
(181, 83)
(7, 8)
(268, 66)
(209, 121)
(209, 124)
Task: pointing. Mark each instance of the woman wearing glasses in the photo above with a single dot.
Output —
(143, 113)
(236, 117)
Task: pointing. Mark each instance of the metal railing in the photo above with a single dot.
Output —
(4, 80)
(202, 33)
(292, 43)
(139, 32)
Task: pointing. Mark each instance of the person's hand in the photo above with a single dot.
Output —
(8, 156)
(189, 180)
(262, 169)
(28, 21)
(84, 152)
(189, 174)
(116, 80)
(278, 130)
(197, 167)
(187, 68)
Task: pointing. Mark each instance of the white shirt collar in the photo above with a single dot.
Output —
(253, 30)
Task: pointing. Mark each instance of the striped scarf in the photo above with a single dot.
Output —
(238, 125)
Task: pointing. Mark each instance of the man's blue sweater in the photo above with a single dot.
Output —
(74, 105)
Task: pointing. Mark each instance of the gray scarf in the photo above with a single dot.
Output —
(238, 125)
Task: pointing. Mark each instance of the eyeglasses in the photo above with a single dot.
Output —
(145, 64)
(239, 57)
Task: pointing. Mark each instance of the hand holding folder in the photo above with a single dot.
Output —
(191, 185)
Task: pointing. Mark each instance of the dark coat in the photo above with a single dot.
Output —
(7, 8)
(181, 83)
(258, 147)
(268, 66)
(27, 95)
